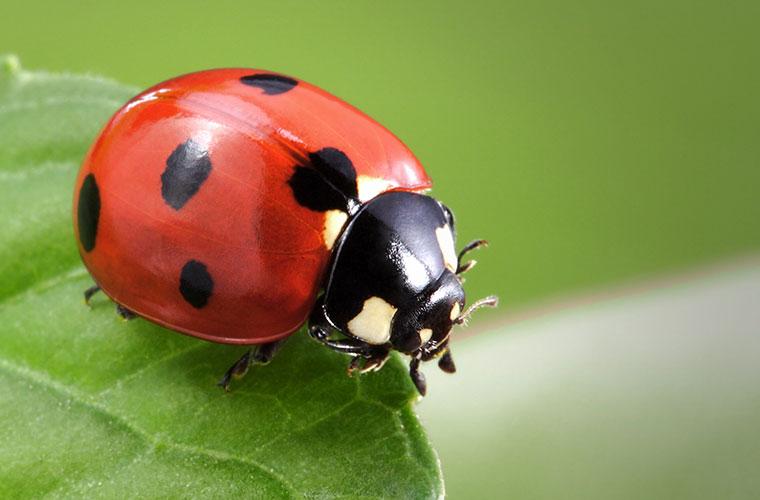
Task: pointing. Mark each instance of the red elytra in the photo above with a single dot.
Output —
(267, 253)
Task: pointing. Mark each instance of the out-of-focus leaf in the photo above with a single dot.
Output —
(653, 395)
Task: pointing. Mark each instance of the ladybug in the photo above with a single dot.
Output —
(235, 205)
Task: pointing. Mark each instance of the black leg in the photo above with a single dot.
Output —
(90, 292)
(353, 347)
(261, 355)
(365, 365)
(237, 370)
(446, 363)
(417, 376)
(320, 329)
(125, 313)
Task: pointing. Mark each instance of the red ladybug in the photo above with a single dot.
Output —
(222, 203)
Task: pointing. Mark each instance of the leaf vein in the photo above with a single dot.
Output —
(153, 364)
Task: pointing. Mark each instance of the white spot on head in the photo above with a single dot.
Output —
(455, 311)
(369, 187)
(425, 335)
(446, 242)
(334, 221)
(373, 323)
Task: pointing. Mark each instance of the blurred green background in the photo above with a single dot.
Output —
(592, 143)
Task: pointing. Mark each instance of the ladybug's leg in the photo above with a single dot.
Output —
(90, 292)
(473, 245)
(446, 363)
(320, 329)
(417, 376)
(371, 364)
(261, 355)
(237, 370)
(353, 347)
(125, 313)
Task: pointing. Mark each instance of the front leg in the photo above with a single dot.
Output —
(365, 365)
(353, 347)
(320, 330)
(446, 363)
(417, 376)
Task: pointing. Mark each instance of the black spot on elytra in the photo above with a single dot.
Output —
(327, 183)
(336, 168)
(187, 168)
(270, 83)
(88, 212)
(195, 283)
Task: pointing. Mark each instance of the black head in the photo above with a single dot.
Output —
(423, 326)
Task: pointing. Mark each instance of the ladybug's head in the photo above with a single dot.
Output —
(422, 330)
(424, 325)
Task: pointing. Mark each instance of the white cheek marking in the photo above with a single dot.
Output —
(425, 335)
(446, 242)
(369, 187)
(334, 221)
(455, 311)
(373, 323)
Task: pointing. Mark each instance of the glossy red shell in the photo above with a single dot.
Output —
(265, 252)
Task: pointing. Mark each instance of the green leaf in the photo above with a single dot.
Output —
(96, 406)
